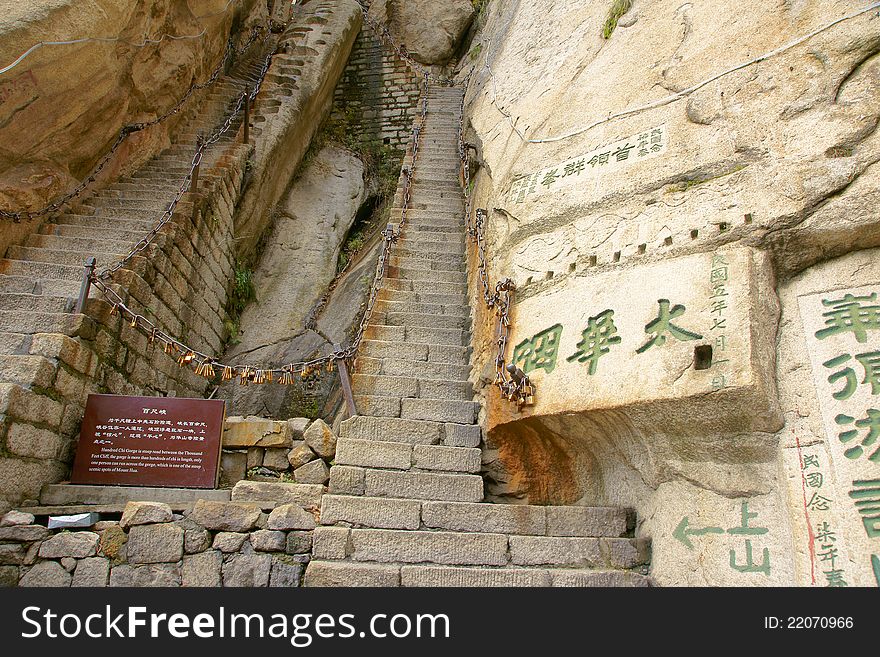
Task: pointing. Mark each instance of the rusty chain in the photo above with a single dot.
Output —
(513, 383)
(125, 131)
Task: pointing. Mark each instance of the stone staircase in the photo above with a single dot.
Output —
(40, 280)
(405, 504)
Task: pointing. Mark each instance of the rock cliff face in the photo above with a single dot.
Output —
(431, 32)
(682, 217)
(61, 108)
(294, 271)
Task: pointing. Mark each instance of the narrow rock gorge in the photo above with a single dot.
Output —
(495, 293)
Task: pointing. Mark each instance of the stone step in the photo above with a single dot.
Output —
(60, 256)
(510, 519)
(26, 370)
(431, 258)
(434, 240)
(423, 485)
(623, 553)
(79, 494)
(424, 287)
(472, 577)
(412, 368)
(418, 334)
(414, 244)
(427, 266)
(320, 573)
(401, 386)
(28, 322)
(439, 410)
(428, 201)
(429, 320)
(429, 275)
(40, 270)
(430, 229)
(110, 223)
(401, 546)
(433, 353)
(14, 343)
(36, 303)
(92, 233)
(404, 456)
(401, 296)
(457, 310)
(82, 244)
(558, 521)
(140, 193)
(27, 285)
(426, 220)
(17, 285)
(415, 432)
(364, 427)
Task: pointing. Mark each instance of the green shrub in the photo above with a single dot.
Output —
(618, 9)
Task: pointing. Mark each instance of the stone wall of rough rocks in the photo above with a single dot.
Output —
(253, 543)
(180, 283)
(377, 95)
(296, 450)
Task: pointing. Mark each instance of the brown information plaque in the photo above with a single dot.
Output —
(150, 441)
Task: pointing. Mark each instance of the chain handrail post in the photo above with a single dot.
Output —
(345, 380)
(247, 117)
(88, 276)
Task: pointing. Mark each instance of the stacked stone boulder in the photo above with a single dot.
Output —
(257, 449)
(247, 542)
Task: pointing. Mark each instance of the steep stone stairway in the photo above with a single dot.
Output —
(39, 281)
(405, 504)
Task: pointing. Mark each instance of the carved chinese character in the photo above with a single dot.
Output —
(596, 340)
(663, 325)
(856, 315)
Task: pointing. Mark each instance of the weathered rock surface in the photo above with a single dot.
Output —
(202, 569)
(70, 544)
(293, 274)
(16, 518)
(430, 31)
(62, 107)
(247, 570)
(290, 516)
(321, 439)
(226, 516)
(155, 544)
(314, 472)
(91, 572)
(613, 198)
(144, 513)
(254, 431)
(147, 575)
(46, 574)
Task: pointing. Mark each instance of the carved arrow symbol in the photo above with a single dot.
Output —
(682, 532)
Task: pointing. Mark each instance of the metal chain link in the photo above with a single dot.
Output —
(124, 132)
(513, 383)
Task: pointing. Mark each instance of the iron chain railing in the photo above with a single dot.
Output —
(513, 383)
